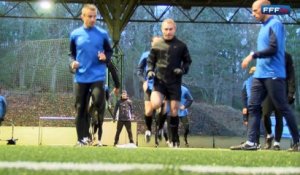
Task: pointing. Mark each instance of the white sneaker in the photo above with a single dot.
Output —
(80, 144)
(147, 136)
(173, 145)
(167, 142)
(86, 141)
(99, 144)
(132, 145)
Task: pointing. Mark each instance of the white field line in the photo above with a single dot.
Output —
(54, 166)
(79, 166)
(241, 170)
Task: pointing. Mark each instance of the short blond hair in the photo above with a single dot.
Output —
(85, 7)
(168, 21)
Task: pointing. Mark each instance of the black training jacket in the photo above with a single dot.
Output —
(167, 55)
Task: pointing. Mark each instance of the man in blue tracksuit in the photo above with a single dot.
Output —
(246, 91)
(91, 52)
(3, 105)
(147, 86)
(185, 102)
(269, 77)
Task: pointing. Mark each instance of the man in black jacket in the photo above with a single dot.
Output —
(168, 60)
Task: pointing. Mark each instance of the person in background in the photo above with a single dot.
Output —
(123, 114)
(3, 106)
(185, 102)
(246, 91)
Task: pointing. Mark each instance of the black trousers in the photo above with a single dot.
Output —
(120, 125)
(97, 119)
(267, 109)
(83, 92)
(186, 125)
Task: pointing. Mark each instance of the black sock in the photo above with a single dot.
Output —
(148, 121)
(161, 120)
(174, 122)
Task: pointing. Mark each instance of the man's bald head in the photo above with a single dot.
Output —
(256, 10)
(262, 2)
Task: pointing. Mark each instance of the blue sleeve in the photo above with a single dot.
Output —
(141, 69)
(189, 99)
(3, 107)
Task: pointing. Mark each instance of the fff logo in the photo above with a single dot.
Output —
(275, 9)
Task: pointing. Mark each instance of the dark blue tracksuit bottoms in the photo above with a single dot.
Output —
(276, 89)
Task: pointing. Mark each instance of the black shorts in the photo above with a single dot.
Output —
(171, 91)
